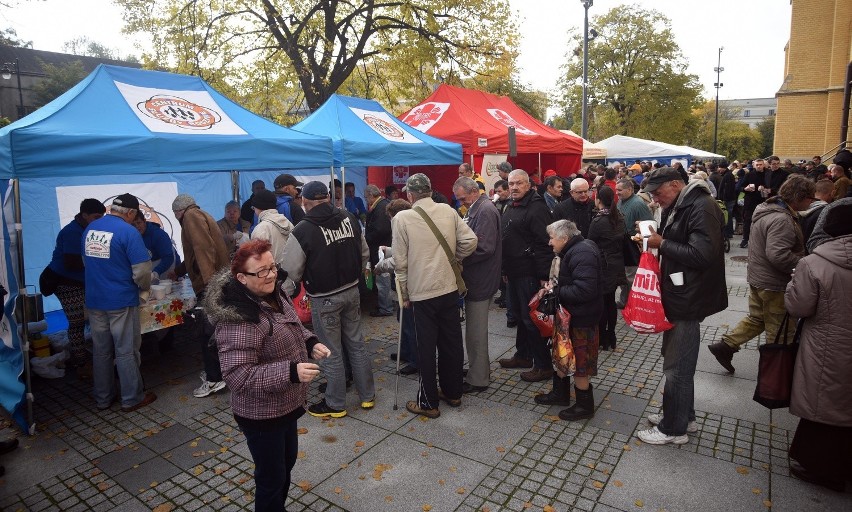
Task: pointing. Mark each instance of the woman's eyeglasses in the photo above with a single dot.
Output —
(262, 273)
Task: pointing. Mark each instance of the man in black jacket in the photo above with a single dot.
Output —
(727, 193)
(378, 233)
(693, 287)
(760, 184)
(578, 208)
(526, 265)
(328, 252)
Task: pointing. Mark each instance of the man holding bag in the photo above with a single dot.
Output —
(692, 287)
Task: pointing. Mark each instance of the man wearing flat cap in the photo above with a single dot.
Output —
(328, 253)
(271, 225)
(428, 285)
(117, 268)
(693, 287)
(285, 192)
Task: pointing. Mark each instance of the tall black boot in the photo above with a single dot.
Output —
(560, 394)
(583, 409)
(611, 340)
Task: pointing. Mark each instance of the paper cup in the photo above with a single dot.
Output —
(158, 291)
(167, 284)
(677, 278)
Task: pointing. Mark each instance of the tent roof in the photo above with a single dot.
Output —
(364, 133)
(122, 120)
(591, 151)
(621, 147)
(479, 121)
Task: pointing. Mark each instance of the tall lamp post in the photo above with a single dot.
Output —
(585, 118)
(718, 69)
(6, 73)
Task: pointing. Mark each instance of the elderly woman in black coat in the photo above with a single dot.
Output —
(578, 290)
(607, 231)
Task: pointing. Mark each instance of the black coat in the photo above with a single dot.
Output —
(692, 244)
(752, 199)
(580, 277)
(726, 189)
(378, 229)
(526, 252)
(579, 213)
(610, 242)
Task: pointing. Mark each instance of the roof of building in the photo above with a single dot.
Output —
(31, 62)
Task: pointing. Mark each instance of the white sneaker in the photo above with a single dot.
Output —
(655, 419)
(207, 387)
(654, 436)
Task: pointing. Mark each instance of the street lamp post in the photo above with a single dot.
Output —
(7, 74)
(718, 69)
(585, 118)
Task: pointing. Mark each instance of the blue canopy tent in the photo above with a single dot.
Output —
(123, 129)
(365, 134)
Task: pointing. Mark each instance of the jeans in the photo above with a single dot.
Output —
(274, 454)
(529, 344)
(439, 328)
(383, 286)
(680, 356)
(116, 338)
(765, 313)
(337, 323)
(729, 227)
(204, 332)
(408, 344)
(476, 342)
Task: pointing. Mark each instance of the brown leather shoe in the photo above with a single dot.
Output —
(450, 401)
(536, 375)
(146, 400)
(414, 408)
(724, 354)
(516, 362)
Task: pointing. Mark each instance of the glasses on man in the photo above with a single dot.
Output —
(262, 273)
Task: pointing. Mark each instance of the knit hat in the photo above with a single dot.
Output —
(182, 202)
(128, 201)
(843, 158)
(264, 200)
(549, 173)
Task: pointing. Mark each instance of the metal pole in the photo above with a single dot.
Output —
(21, 112)
(22, 292)
(718, 85)
(844, 112)
(585, 120)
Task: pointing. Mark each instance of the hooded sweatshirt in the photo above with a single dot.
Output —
(808, 218)
(276, 228)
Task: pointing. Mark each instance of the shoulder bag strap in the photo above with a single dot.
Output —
(450, 257)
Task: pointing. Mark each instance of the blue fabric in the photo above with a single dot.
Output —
(109, 278)
(160, 245)
(283, 206)
(356, 143)
(91, 130)
(355, 205)
(67, 242)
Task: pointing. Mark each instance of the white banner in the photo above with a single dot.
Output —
(400, 174)
(166, 111)
(506, 119)
(489, 171)
(385, 125)
(423, 117)
(155, 201)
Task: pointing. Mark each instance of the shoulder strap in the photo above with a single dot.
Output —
(443, 241)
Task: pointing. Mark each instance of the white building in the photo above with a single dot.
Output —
(750, 111)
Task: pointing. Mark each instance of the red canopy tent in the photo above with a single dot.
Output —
(480, 122)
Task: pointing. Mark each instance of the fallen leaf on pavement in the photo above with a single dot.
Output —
(617, 483)
(305, 485)
(597, 485)
(742, 470)
(460, 490)
(302, 431)
(639, 503)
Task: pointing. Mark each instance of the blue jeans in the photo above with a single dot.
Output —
(408, 345)
(337, 323)
(274, 454)
(383, 286)
(680, 356)
(529, 344)
(116, 338)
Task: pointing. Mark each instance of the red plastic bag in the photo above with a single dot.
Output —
(540, 306)
(644, 310)
(564, 360)
(302, 305)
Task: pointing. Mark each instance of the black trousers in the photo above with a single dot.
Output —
(438, 327)
(748, 211)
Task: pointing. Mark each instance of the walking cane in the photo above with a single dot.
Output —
(398, 344)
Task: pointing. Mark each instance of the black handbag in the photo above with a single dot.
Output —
(776, 366)
(631, 252)
(48, 281)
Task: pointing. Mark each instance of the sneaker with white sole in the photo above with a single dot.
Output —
(207, 387)
(655, 419)
(654, 436)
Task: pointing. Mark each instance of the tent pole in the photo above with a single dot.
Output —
(343, 183)
(331, 182)
(235, 185)
(22, 291)
(539, 167)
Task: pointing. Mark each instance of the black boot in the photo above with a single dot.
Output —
(583, 409)
(611, 340)
(559, 395)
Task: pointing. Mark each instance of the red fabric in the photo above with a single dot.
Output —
(644, 310)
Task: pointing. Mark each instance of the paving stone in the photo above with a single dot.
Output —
(123, 459)
(168, 438)
(192, 452)
(790, 494)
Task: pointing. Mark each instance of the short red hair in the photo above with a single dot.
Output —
(247, 251)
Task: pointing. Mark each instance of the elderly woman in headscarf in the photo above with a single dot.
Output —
(821, 450)
(264, 352)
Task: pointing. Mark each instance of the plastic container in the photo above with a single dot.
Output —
(158, 291)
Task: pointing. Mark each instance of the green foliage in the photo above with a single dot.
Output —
(736, 140)
(58, 79)
(9, 37)
(638, 85)
(766, 128)
(286, 57)
(4, 121)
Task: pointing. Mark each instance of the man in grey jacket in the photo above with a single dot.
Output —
(271, 225)
(428, 285)
(775, 247)
(481, 273)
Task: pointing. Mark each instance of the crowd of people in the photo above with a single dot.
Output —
(572, 235)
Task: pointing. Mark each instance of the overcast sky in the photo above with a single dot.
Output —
(753, 33)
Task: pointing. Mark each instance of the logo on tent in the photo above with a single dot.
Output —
(423, 117)
(179, 112)
(506, 119)
(383, 127)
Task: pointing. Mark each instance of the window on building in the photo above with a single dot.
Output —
(746, 113)
(771, 111)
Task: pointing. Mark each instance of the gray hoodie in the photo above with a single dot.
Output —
(276, 228)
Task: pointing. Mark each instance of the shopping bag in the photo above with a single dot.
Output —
(302, 305)
(644, 310)
(775, 368)
(542, 308)
(562, 350)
